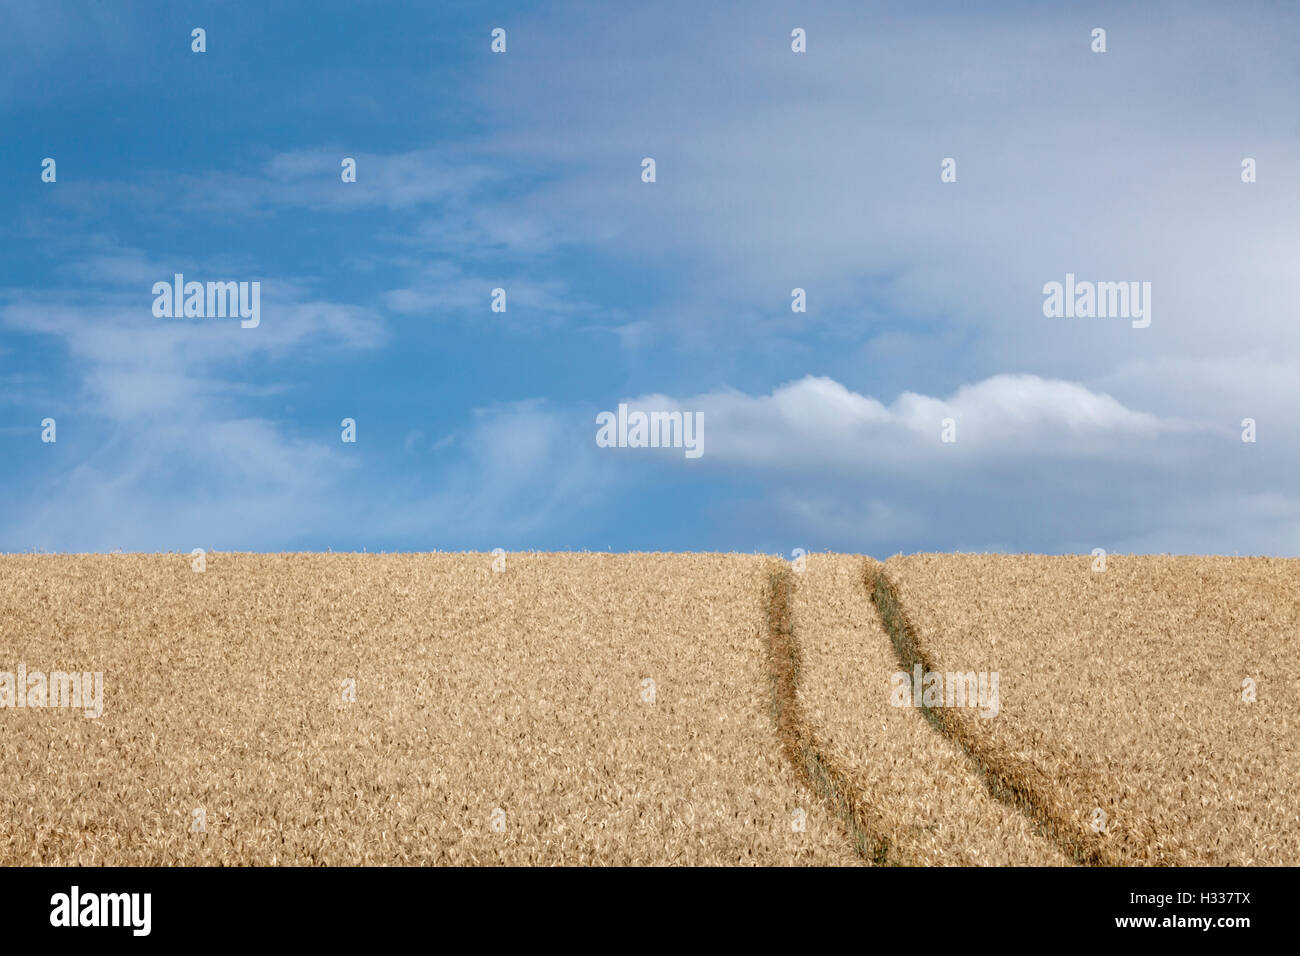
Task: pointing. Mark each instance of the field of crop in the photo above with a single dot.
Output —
(648, 709)
(521, 692)
(1125, 695)
(926, 802)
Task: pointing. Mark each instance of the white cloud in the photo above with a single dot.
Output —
(822, 171)
(155, 448)
(442, 289)
(1038, 464)
(132, 364)
(816, 425)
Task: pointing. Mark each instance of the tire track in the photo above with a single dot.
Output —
(1011, 779)
(799, 740)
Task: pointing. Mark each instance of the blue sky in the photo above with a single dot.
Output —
(775, 170)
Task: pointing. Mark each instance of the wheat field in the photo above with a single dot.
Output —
(1152, 707)
(643, 709)
(928, 804)
(475, 692)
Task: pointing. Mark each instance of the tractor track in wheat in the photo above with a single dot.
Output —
(1014, 780)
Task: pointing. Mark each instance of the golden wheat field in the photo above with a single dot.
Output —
(498, 717)
(1152, 708)
(925, 800)
(461, 709)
